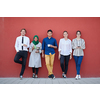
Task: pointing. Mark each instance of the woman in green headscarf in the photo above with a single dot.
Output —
(35, 40)
(35, 58)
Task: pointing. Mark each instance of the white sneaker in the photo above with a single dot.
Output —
(21, 77)
(53, 77)
(33, 76)
(79, 76)
(76, 77)
(36, 76)
(64, 76)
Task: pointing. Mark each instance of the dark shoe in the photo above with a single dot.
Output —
(33, 76)
(63, 75)
(50, 76)
(53, 77)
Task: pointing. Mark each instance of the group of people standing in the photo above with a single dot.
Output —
(47, 48)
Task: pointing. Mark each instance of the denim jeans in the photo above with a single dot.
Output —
(78, 61)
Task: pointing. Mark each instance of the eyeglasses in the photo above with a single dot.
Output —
(78, 34)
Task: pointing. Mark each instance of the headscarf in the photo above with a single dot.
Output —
(35, 42)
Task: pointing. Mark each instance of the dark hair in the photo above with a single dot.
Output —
(65, 31)
(23, 29)
(78, 31)
(50, 31)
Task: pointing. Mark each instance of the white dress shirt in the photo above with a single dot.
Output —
(65, 47)
(18, 43)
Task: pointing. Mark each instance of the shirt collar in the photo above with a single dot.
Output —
(48, 38)
(65, 40)
(23, 36)
(79, 39)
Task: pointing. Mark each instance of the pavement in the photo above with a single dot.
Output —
(49, 81)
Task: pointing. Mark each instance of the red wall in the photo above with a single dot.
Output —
(10, 29)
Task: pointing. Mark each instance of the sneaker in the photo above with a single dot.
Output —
(33, 76)
(53, 77)
(76, 77)
(21, 77)
(79, 76)
(64, 76)
(49, 76)
(36, 76)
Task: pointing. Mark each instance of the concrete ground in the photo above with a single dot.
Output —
(49, 81)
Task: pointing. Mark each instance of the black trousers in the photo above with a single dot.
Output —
(23, 55)
(64, 59)
(33, 69)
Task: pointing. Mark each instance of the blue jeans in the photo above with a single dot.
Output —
(78, 61)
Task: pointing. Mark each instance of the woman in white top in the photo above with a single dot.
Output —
(35, 58)
(65, 53)
(78, 44)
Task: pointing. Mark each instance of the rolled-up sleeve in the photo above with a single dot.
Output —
(70, 47)
(56, 43)
(83, 45)
(43, 44)
(28, 43)
(59, 49)
(16, 45)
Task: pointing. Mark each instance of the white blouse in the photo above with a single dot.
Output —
(65, 47)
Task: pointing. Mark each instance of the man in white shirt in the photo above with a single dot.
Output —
(21, 46)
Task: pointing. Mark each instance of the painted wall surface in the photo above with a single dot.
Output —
(10, 29)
